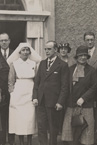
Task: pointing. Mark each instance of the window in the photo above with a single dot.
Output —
(11, 5)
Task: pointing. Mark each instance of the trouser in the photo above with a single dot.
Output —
(4, 115)
(48, 121)
(11, 139)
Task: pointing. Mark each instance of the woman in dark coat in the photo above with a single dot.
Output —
(83, 85)
(4, 98)
(64, 50)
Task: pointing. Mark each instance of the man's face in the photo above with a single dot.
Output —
(90, 41)
(4, 41)
(50, 50)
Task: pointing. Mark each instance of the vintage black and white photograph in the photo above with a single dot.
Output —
(48, 72)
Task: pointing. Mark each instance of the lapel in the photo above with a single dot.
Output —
(53, 67)
(44, 67)
(93, 59)
(87, 70)
(10, 52)
(3, 63)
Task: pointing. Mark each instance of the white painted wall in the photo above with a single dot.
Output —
(44, 30)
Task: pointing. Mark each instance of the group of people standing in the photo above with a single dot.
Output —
(40, 96)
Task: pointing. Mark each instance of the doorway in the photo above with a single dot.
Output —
(16, 31)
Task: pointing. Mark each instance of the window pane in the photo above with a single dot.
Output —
(17, 2)
(11, 5)
(9, 1)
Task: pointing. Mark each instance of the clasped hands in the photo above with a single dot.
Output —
(57, 106)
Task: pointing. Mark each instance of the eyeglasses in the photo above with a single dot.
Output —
(89, 40)
(4, 40)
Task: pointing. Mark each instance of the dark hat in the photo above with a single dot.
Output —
(64, 45)
(82, 50)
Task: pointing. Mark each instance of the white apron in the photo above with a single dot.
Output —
(22, 120)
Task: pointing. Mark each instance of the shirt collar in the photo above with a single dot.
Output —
(91, 51)
(53, 59)
(22, 61)
(7, 52)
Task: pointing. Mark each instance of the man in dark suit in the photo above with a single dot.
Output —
(50, 92)
(89, 39)
(5, 51)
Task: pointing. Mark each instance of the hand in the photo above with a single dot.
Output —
(58, 106)
(11, 93)
(80, 101)
(35, 102)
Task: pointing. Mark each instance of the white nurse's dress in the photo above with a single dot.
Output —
(22, 118)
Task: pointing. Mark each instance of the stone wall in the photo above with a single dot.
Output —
(73, 18)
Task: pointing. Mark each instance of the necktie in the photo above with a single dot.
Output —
(5, 54)
(49, 63)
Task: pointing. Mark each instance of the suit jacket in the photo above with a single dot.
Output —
(54, 85)
(86, 87)
(4, 71)
(93, 60)
(10, 52)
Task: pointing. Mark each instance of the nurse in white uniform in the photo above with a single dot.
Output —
(22, 117)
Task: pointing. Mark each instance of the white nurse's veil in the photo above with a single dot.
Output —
(15, 55)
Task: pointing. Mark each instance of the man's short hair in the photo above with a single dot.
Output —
(4, 33)
(54, 42)
(89, 33)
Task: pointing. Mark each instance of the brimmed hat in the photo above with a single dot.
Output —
(64, 45)
(82, 50)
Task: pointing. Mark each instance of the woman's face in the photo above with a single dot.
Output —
(82, 59)
(24, 53)
(63, 51)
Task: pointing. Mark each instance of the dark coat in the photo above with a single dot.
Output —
(54, 85)
(93, 63)
(93, 60)
(4, 71)
(10, 52)
(86, 87)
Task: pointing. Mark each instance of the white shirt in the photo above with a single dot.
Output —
(52, 60)
(7, 52)
(91, 51)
